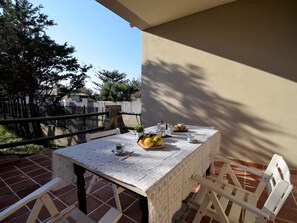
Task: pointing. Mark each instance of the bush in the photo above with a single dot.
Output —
(9, 136)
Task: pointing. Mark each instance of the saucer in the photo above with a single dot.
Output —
(124, 152)
(195, 141)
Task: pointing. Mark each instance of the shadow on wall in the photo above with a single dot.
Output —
(190, 100)
(261, 34)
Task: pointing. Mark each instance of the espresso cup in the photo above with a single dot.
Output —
(119, 147)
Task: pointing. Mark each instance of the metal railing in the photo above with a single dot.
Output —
(48, 138)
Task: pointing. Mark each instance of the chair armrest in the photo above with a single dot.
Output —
(34, 195)
(250, 193)
(230, 162)
(277, 197)
(216, 186)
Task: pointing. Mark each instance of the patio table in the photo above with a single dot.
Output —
(162, 176)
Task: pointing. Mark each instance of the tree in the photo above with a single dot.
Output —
(115, 87)
(32, 65)
(109, 76)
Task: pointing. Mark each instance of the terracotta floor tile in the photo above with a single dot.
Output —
(104, 194)
(46, 164)
(43, 178)
(37, 172)
(126, 219)
(16, 179)
(7, 199)
(60, 206)
(132, 194)
(98, 186)
(125, 200)
(69, 198)
(21, 185)
(287, 213)
(23, 163)
(30, 168)
(41, 160)
(277, 220)
(134, 212)
(256, 166)
(18, 217)
(27, 190)
(6, 167)
(291, 204)
(64, 190)
(38, 158)
(294, 177)
(44, 214)
(10, 174)
(5, 190)
(92, 203)
(99, 212)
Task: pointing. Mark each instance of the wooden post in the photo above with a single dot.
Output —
(114, 119)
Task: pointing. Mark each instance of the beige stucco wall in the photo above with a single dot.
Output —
(233, 67)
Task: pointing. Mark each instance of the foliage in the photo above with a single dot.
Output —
(110, 76)
(115, 86)
(32, 64)
(36, 72)
(139, 128)
(8, 136)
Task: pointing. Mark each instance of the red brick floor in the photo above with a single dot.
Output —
(26, 175)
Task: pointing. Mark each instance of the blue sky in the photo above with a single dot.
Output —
(100, 37)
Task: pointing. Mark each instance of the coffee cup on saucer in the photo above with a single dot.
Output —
(119, 148)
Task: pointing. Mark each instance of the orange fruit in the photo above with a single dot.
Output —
(158, 141)
(143, 137)
(148, 142)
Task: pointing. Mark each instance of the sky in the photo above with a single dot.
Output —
(100, 37)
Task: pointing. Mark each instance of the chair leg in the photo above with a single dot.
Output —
(202, 209)
(92, 182)
(292, 193)
(117, 197)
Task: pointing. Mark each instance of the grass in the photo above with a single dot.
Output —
(9, 136)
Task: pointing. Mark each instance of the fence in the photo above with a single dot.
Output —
(99, 106)
(68, 107)
(76, 129)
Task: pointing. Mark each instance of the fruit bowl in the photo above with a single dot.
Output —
(150, 141)
(152, 147)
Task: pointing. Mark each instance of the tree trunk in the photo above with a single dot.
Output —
(37, 131)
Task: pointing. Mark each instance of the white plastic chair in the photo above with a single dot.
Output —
(42, 198)
(276, 162)
(229, 202)
(95, 178)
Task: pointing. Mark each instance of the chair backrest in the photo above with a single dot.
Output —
(276, 171)
(277, 197)
(97, 135)
(42, 198)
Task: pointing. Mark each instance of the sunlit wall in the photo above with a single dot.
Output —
(233, 67)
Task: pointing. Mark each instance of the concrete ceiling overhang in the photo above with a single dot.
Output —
(149, 13)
